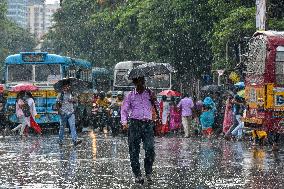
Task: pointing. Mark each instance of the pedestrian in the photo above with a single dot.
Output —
(65, 106)
(164, 114)
(22, 113)
(175, 116)
(186, 105)
(239, 110)
(33, 112)
(137, 108)
(228, 116)
(220, 111)
(3, 118)
(207, 120)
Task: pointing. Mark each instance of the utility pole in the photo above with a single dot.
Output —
(261, 14)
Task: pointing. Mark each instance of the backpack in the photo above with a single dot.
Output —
(26, 109)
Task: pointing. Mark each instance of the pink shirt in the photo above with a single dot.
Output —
(19, 111)
(136, 106)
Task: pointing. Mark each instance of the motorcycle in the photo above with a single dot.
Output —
(100, 118)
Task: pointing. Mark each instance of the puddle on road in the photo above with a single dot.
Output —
(104, 163)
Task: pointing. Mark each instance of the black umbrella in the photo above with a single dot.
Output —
(211, 88)
(76, 85)
(150, 69)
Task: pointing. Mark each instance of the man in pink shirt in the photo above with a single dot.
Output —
(186, 104)
(137, 109)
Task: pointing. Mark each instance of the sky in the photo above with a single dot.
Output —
(51, 1)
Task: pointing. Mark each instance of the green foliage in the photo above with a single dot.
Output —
(13, 39)
(192, 35)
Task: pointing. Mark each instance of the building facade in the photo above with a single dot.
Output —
(17, 12)
(33, 15)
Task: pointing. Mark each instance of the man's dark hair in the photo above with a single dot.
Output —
(135, 80)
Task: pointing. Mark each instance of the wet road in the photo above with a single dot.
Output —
(102, 162)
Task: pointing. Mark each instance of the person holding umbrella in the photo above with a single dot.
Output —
(65, 101)
(137, 108)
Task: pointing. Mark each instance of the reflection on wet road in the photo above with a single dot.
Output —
(103, 162)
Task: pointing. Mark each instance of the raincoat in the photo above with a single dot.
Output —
(207, 117)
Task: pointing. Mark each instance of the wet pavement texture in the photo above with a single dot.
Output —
(102, 161)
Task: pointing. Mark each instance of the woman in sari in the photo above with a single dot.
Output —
(228, 116)
(175, 116)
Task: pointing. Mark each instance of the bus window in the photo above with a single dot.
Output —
(279, 71)
(47, 72)
(20, 72)
(159, 81)
(72, 73)
(121, 78)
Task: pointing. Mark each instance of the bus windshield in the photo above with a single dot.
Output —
(159, 81)
(121, 79)
(47, 72)
(20, 72)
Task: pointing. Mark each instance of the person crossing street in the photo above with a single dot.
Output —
(137, 108)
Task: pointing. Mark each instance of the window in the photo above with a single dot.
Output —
(279, 61)
(158, 81)
(121, 78)
(20, 72)
(47, 72)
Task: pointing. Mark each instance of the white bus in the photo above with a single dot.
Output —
(121, 82)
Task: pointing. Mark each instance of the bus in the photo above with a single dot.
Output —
(264, 81)
(43, 70)
(102, 80)
(121, 82)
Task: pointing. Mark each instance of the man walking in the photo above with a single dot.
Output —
(138, 106)
(186, 104)
(65, 108)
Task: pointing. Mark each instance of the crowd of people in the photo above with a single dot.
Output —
(142, 115)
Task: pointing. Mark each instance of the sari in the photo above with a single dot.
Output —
(175, 118)
(228, 116)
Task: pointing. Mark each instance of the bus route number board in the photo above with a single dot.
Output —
(33, 57)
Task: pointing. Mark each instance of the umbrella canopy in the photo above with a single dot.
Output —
(241, 93)
(150, 69)
(24, 87)
(240, 84)
(169, 93)
(212, 88)
(76, 85)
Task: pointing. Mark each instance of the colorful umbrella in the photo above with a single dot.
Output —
(241, 93)
(24, 87)
(169, 93)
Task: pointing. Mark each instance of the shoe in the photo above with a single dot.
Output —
(139, 180)
(149, 179)
(77, 142)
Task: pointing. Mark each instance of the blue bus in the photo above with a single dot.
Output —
(43, 70)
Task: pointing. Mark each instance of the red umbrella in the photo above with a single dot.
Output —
(24, 87)
(169, 93)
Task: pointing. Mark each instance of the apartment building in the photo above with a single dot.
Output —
(17, 12)
(33, 15)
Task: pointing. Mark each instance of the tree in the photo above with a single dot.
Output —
(13, 39)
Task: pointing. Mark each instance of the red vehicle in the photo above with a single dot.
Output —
(1, 88)
(264, 90)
